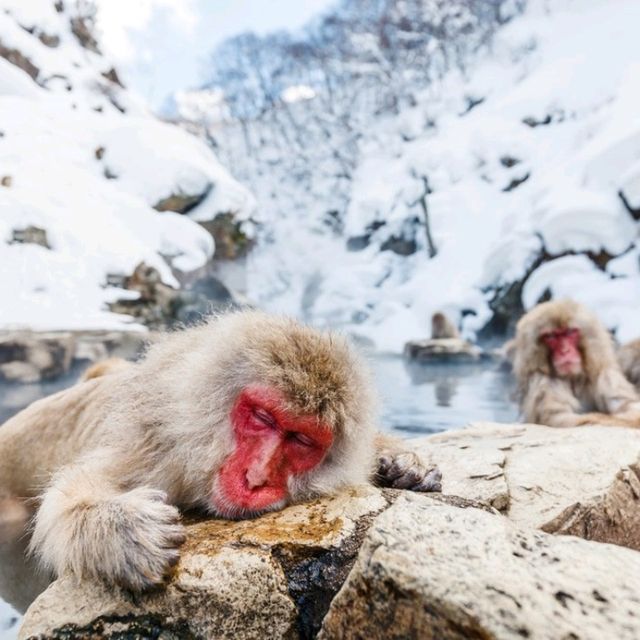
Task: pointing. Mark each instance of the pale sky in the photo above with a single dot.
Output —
(163, 45)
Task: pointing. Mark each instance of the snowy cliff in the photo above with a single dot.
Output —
(516, 180)
(82, 166)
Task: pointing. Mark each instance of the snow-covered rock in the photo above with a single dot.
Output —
(82, 159)
(533, 172)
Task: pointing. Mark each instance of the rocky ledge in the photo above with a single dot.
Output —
(438, 350)
(481, 561)
(31, 356)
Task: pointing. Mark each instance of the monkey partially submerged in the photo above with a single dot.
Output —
(240, 416)
(567, 372)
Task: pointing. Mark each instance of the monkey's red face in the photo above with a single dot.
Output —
(272, 445)
(563, 345)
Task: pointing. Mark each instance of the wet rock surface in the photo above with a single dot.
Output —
(31, 356)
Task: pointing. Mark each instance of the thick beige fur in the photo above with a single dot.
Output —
(116, 456)
(442, 327)
(600, 394)
(104, 367)
(629, 359)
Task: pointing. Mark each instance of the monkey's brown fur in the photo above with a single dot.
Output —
(599, 395)
(116, 454)
(629, 359)
(442, 327)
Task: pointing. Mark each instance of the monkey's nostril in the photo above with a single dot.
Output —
(255, 479)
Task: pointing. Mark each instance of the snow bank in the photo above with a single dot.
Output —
(83, 160)
(530, 175)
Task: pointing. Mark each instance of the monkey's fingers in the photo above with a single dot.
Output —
(628, 418)
(406, 471)
(432, 481)
(394, 467)
(607, 420)
(156, 538)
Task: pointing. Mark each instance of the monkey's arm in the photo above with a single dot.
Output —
(551, 402)
(616, 395)
(91, 527)
(629, 360)
(402, 469)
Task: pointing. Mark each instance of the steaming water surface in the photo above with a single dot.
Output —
(416, 400)
(423, 399)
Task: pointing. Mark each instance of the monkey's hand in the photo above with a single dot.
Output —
(406, 471)
(625, 419)
(630, 418)
(126, 539)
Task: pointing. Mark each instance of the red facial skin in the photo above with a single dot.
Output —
(563, 345)
(272, 445)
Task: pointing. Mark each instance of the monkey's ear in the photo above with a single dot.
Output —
(530, 355)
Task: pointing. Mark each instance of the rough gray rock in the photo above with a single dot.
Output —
(232, 241)
(30, 357)
(581, 481)
(183, 202)
(30, 234)
(438, 567)
(19, 60)
(442, 350)
(428, 570)
(159, 305)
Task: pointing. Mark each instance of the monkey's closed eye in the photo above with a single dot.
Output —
(300, 438)
(265, 417)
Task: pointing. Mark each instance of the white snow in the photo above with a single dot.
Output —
(575, 64)
(298, 93)
(89, 175)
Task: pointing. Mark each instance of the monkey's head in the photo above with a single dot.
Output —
(561, 339)
(442, 327)
(438, 324)
(281, 412)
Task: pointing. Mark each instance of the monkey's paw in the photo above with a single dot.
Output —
(149, 535)
(406, 471)
(129, 540)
